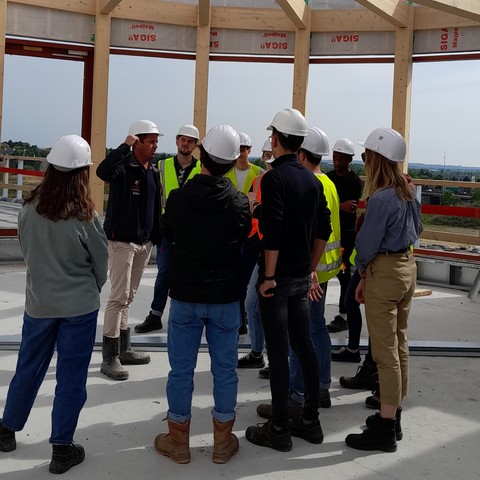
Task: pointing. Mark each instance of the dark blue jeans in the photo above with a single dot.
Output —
(74, 338)
(162, 282)
(250, 252)
(285, 319)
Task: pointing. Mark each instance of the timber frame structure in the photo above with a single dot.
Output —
(402, 17)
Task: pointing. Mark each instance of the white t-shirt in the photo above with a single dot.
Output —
(241, 176)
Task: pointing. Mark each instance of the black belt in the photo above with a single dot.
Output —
(391, 252)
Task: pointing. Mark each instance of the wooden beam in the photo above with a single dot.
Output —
(301, 67)
(463, 8)
(204, 12)
(107, 6)
(430, 18)
(296, 11)
(3, 30)
(394, 11)
(201, 79)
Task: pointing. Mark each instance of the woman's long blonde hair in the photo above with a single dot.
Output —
(380, 173)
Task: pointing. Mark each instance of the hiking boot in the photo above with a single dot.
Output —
(111, 366)
(324, 398)
(373, 401)
(264, 435)
(373, 420)
(365, 379)
(225, 443)
(7, 439)
(346, 355)
(311, 432)
(338, 324)
(294, 409)
(127, 355)
(64, 457)
(264, 373)
(176, 443)
(381, 436)
(152, 322)
(251, 361)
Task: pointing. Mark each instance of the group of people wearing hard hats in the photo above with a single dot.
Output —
(199, 215)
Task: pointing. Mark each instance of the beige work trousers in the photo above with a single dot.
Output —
(126, 262)
(389, 288)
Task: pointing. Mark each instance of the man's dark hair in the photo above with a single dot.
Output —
(291, 143)
(313, 159)
(216, 169)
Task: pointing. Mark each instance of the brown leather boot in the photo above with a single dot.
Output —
(176, 443)
(225, 443)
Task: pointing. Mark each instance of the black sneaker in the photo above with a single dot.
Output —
(311, 433)
(7, 439)
(345, 355)
(64, 457)
(264, 373)
(366, 378)
(264, 435)
(152, 322)
(251, 361)
(338, 324)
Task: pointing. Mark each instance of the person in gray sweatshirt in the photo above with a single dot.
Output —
(65, 250)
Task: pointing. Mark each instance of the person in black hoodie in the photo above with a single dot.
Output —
(132, 226)
(206, 220)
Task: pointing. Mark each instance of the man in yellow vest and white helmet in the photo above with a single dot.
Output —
(174, 173)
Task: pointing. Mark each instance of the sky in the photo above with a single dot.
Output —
(43, 101)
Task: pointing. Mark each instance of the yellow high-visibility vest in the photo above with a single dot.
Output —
(253, 171)
(330, 263)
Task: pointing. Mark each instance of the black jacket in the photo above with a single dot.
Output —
(207, 220)
(125, 219)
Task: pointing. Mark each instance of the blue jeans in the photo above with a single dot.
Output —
(185, 326)
(74, 338)
(250, 252)
(323, 348)
(254, 322)
(162, 282)
(286, 318)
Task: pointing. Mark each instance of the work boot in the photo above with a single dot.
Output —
(225, 443)
(127, 355)
(294, 409)
(152, 322)
(111, 366)
(373, 420)
(7, 439)
(264, 373)
(251, 361)
(346, 355)
(365, 378)
(380, 436)
(266, 435)
(64, 457)
(176, 443)
(373, 401)
(338, 324)
(310, 431)
(324, 398)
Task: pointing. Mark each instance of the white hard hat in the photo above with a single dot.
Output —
(70, 152)
(267, 146)
(189, 131)
(316, 142)
(222, 143)
(387, 142)
(143, 127)
(245, 140)
(344, 145)
(289, 122)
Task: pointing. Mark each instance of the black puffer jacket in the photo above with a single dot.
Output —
(125, 219)
(207, 220)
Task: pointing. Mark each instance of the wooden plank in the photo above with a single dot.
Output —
(301, 67)
(107, 6)
(396, 12)
(297, 11)
(201, 79)
(463, 8)
(450, 237)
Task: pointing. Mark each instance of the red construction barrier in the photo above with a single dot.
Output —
(21, 171)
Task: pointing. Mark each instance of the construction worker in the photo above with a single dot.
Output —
(132, 225)
(349, 189)
(295, 223)
(174, 173)
(242, 176)
(207, 219)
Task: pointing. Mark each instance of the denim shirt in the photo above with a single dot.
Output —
(390, 224)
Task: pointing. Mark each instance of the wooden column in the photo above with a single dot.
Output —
(301, 64)
(100, 102)
(402, 81)
(3, 31)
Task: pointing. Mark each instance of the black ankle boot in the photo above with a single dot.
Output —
(373, 420)
(381, 436)
(64, 457)
(7, 439)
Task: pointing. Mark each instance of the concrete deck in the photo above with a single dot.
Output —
(441, 420)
